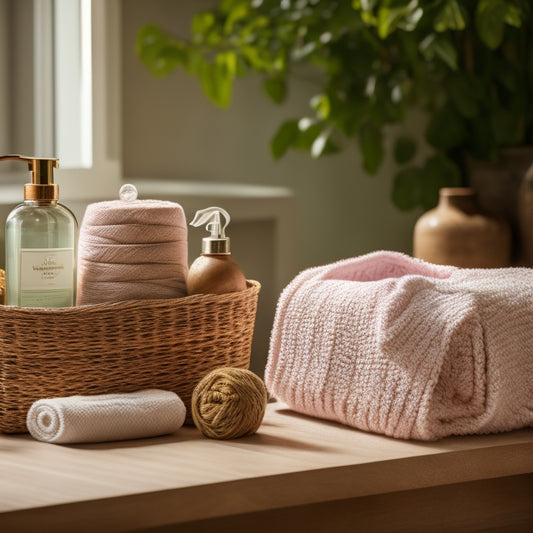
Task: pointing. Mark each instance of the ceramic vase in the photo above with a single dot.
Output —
(458, 232)
(525, 219)
(498, 183)
(501, 191)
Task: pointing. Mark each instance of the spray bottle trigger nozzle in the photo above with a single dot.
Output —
(211, 216)
(217, 242)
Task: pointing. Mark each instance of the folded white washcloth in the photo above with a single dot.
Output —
(106, 417)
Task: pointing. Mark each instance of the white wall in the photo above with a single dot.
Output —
(4, 75)
(171, 131)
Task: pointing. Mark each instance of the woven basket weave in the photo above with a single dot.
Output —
(120, 347)
(2, 287)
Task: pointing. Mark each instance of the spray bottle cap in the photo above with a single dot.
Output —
(217, 243)
(42, 186)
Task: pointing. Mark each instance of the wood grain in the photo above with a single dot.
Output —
(292, 461)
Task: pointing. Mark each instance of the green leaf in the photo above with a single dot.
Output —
(226, 6)
(306, 123)
(415, 186)
(439, 171)
(440, 46)
(276, 89)
(224, 70)
(195, 63)
(284, 138)
(331, 147)
(147, 37)
(237, 12)
(445, 129)
(227, 62)
(321, 104)
(242, 68)
(390, 18)
(508, 75)
(387, 20)
(490, 21)
(217, 77)
(505, 126)
(159, 53)
(371, 144)
(200, 26)
(367, 17)
(464, 92)
(323, 145)
(481, 141)
(365, 5)
(406, 188)
(308, 130)
(253, 27)
(404, 150)
(319, 144)
(451, 17)
(411, 19)
(513, 16)
(258, 59)
(349, 115)
(207, 76)
(301, 52)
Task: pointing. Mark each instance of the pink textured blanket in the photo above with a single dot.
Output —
(394, 345)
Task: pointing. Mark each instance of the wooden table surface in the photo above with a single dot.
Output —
(293, 461)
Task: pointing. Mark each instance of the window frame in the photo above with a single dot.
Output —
(104, 176)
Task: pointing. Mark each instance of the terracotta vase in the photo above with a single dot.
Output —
(458, 232)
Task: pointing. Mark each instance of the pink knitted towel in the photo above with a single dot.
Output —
(394, 345)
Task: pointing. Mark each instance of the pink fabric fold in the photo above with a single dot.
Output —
(391, 344)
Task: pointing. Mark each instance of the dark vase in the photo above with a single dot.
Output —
(501, 191)
(458, 232)
(498, 183)
(525, 219)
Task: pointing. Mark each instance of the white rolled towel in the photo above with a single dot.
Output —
(106, 417)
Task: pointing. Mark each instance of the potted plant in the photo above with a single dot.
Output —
(467, 64)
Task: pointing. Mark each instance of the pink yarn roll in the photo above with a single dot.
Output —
(132, 250)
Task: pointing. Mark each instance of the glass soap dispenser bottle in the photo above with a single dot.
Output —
(214, 271)
(41, 237)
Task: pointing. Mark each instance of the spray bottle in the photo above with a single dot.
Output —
(214, 272)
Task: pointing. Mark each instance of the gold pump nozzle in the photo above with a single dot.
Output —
(42, 186)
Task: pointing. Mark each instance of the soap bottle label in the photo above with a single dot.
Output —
(46, 277)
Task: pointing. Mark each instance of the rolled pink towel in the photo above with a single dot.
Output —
(391, 344)
(132, 249)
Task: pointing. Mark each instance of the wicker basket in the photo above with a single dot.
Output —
(119, 347)
(2, 287)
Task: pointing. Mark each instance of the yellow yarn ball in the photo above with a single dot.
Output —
(228, 403)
